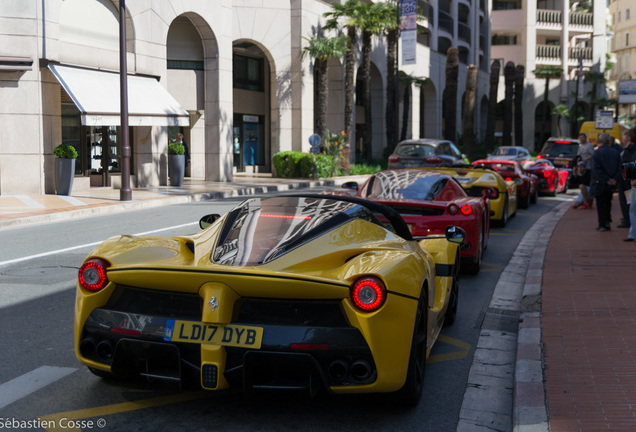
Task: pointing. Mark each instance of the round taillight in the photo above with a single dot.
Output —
(508, 178)
(546, 174)
(368, 294)
(92, 275)
(453, 209)
(466, 209)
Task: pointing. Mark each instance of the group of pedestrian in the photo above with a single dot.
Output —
(599, 172)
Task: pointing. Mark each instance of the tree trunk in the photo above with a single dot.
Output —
(350, 68)
(450, 95)
(365, 94)
(509, 73)
(320, 75)
(391, 89)
(469, 112)
(495, 68)
(519, 75)
(544, 122)
(406, 111)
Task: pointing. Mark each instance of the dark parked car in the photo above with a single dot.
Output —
(560, 151)
(426, 152)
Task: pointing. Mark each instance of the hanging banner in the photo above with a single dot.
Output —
(409, 31)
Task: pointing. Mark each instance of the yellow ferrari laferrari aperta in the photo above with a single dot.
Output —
(282, 292)
(479, 182)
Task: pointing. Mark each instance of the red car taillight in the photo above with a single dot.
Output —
(491, 193)
(539, 157)
(546, 174)
(368, 294)
(466, 209)
(394, 158)
(92, 274)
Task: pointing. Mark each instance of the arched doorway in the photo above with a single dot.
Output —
(252, 112)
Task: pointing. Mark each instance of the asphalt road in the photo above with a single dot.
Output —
(43, 386)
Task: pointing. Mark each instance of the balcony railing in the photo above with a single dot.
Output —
(548, 16)
(554, 52)
(446, 22)
(463, 32)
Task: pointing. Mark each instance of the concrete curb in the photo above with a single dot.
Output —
(529, 401)
(507, 366)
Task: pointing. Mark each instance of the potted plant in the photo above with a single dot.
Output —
(65, 155)
(176, 163)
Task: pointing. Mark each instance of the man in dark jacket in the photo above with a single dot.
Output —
(606, 174)
(624, 186)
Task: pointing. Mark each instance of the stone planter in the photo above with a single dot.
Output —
(176, 169)
(64, 175)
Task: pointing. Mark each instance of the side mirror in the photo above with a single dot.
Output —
(208, 220)
(455, 234)
(350, 185)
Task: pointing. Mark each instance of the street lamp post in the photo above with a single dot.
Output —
(125, 193)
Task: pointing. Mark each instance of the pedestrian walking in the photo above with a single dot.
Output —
(606, 174)
(624, 186)
(586, 150)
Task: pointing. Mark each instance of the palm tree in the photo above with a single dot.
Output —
(391, 30)
(469, 112)
(495, 68)
(596, 79)
(546, 72)
(519, 75)
(509, 74)
(560, 111)
(450, 94)
(321, 48)
(347, 14)
(372, 22)
(408, 81)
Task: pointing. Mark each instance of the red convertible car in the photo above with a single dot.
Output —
(552, 180)
(527, 184)
(430, 201)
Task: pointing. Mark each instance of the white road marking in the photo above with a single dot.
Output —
(30, 202)
(30, 382)
(72, 248)
(71, 200)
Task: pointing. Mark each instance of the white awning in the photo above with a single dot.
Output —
(96, 95)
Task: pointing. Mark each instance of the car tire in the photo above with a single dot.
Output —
(451, 313)
(535, 196)
(504, 217)
(411, 393)
(472, 266)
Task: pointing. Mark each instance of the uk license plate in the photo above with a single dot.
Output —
(201, 333)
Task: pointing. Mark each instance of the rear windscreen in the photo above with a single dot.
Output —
(556, 148)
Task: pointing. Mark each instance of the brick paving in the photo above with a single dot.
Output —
(589, 326)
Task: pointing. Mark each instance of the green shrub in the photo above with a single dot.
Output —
(291, 164)
(363, 168)
(65, 151)
(175, 148)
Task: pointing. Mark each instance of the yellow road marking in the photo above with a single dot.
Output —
(456, 355)
(72, 416)
(119, 408)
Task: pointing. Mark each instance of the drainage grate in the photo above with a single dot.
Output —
(501, 320)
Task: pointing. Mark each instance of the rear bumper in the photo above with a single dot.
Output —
(290, 357)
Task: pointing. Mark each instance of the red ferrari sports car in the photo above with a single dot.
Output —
(552, 180)
(527, 184)
(429, 201)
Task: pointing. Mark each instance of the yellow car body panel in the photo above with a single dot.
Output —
(323, 268)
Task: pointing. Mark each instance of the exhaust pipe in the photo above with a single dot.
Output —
(361, 370)
(87, 347)
(105, 349)
(338, 370)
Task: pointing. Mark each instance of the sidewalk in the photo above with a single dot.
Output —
(584, 325)
(557, 350)
(21, 210)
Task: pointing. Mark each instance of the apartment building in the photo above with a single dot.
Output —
(623, 54)
(570, 35)
(226, 73)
